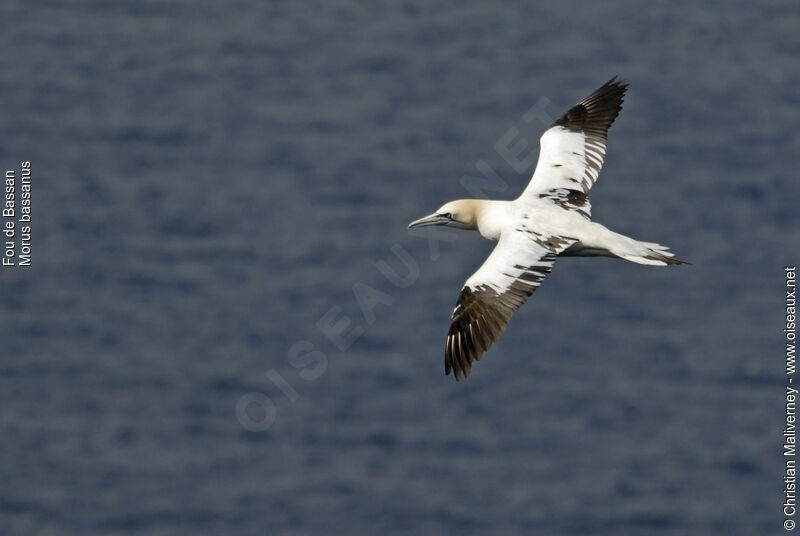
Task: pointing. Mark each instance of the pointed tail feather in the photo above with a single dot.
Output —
(653, 254)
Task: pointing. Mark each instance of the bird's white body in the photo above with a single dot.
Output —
(496, 218)
(523, 215)
(551, 218)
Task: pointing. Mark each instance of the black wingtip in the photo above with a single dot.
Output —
(597, 112)
(617, 82)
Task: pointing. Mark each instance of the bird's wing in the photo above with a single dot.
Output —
(572, 150)
(514, 269)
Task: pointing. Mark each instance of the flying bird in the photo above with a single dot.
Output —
(551, 218)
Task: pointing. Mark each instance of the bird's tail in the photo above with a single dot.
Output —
(600, 240)
(646, 253)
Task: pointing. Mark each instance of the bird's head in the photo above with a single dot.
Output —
(462, 214)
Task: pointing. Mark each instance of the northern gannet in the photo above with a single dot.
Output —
(551, 218)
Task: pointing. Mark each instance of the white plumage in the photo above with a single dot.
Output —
(551, 218)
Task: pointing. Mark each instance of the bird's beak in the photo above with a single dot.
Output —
(433, 219)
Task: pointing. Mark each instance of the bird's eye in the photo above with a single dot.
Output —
(448, 215)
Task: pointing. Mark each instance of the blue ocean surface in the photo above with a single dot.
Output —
(211, 181)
